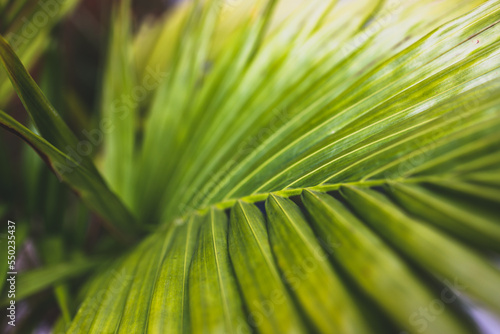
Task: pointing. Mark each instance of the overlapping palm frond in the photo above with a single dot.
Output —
(335, 169)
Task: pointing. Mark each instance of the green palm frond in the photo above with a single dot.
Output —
(334, 169)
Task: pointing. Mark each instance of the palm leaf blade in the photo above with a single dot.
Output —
(426, 246)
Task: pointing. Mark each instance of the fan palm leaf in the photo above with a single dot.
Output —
(334, 169)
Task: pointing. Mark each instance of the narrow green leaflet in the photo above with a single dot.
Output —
(432, 207)
(439, 156)
(106, 311)
(137, 308)
(27, 26)
(373, 265)
(270, 306)
(215, 303)
(121, 99)
(428, 247)
(48, 122)
(169, 310)
(305, 266)
(94, 293)
(484, 192)
(490, 178)
(30, 282)
(89, 187)
(303, 146)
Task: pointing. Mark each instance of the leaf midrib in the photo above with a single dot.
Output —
(260, 197)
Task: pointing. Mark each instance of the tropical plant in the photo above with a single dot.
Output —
(284, 168)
